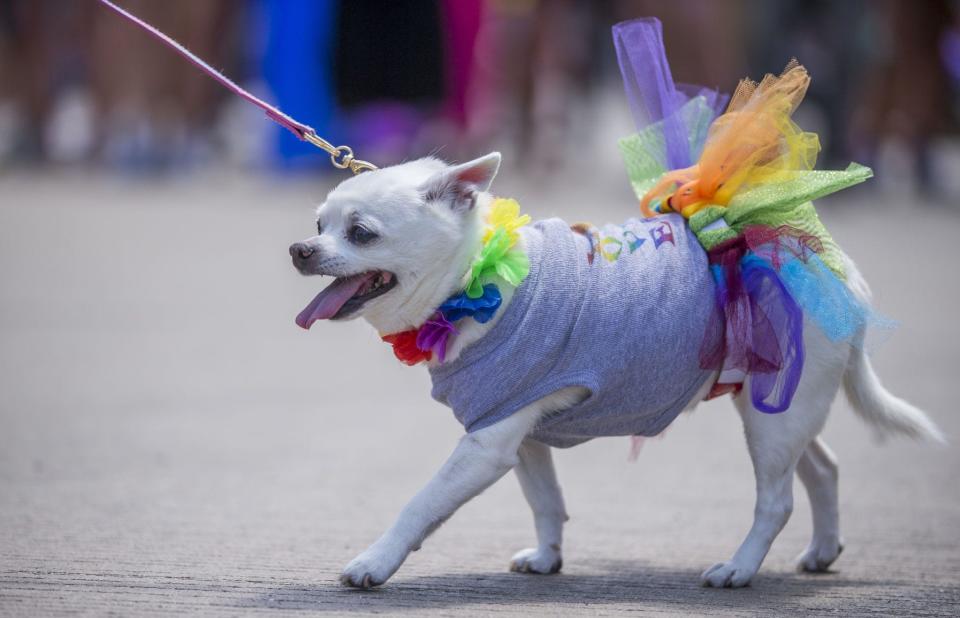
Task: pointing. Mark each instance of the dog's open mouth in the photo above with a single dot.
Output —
(345, 295)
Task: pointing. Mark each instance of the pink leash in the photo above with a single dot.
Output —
(340, 156)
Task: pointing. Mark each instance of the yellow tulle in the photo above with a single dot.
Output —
(754, 142)
(505, 213)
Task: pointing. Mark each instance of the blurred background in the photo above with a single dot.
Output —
(170, 441)
(538, 80)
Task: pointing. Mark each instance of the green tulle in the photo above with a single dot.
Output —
(786, 203)
(782, 203)
(644, 152)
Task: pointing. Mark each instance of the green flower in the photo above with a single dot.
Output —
(497, 258)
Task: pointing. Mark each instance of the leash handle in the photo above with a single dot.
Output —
(341, 157)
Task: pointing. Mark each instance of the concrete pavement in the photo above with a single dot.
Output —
(171, 443)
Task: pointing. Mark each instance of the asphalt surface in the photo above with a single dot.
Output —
(171, 443)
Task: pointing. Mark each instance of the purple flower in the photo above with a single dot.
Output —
(433, 335)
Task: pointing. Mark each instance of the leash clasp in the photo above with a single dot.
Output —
(341, 157)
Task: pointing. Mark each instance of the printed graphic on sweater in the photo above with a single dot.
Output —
(613, 241)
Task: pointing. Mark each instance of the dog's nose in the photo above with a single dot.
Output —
(301, 250)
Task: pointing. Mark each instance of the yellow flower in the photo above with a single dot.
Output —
(505, 214)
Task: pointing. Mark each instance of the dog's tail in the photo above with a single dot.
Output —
(886, 413)
(882, 410)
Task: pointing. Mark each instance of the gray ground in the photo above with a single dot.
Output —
(171, 443)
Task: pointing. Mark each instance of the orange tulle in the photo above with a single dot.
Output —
(754, 142)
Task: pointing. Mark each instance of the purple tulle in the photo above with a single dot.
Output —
(758, 329)
(777, 337)
(777, 244)
(651, 91)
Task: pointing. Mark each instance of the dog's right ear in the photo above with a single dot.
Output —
(459, 185)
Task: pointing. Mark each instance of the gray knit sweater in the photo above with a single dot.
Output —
(620, 310)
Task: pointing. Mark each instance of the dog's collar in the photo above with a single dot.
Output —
(480, 299)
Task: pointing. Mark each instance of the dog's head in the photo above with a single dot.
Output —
(398, 240)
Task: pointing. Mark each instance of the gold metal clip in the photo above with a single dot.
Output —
(340, 156)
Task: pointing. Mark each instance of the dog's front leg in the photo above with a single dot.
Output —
(479, 460)
(538, 480)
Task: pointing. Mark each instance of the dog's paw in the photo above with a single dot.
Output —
(819, 556)
(543, 561)
(727, 575)
(369, 569)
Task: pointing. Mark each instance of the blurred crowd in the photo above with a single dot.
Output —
(80, 86)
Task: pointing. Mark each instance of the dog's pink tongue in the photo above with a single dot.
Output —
(328, 302)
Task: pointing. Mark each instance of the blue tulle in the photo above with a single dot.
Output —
(828, 301)
(481, 309)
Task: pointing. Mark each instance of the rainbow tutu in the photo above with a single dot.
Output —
(744, 181)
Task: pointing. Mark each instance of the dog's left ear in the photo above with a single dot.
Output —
(460, 184)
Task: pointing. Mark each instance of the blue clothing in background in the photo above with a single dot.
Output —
(297, 65)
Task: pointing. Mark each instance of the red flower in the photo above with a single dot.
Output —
(405, 347)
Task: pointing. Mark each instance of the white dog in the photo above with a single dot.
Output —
(400, 240)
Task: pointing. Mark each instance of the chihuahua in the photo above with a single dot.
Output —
(400, 240)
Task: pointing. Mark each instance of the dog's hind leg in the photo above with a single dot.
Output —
(538, 480)
(817, 469)
(776, 443)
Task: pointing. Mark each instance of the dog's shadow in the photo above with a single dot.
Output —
(609, 584)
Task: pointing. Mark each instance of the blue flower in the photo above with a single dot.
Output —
(481, 309)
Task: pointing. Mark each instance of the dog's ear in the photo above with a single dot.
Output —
(458, 185)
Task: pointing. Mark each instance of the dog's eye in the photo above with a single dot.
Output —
(319, 228)
(360, 235)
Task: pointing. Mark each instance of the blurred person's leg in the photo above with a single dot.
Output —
(921, 84)
(501, 95)
(559, 77)
(836, 42)
(461, 21)
(908, 96)
(705, 40)
(460, 27)
(125, 69)
(532, 69)
(9, 109)
(208, 29)
(154, 108)
(44, 74)
(30, 73)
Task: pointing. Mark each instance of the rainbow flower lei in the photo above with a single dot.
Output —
(498, 257)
